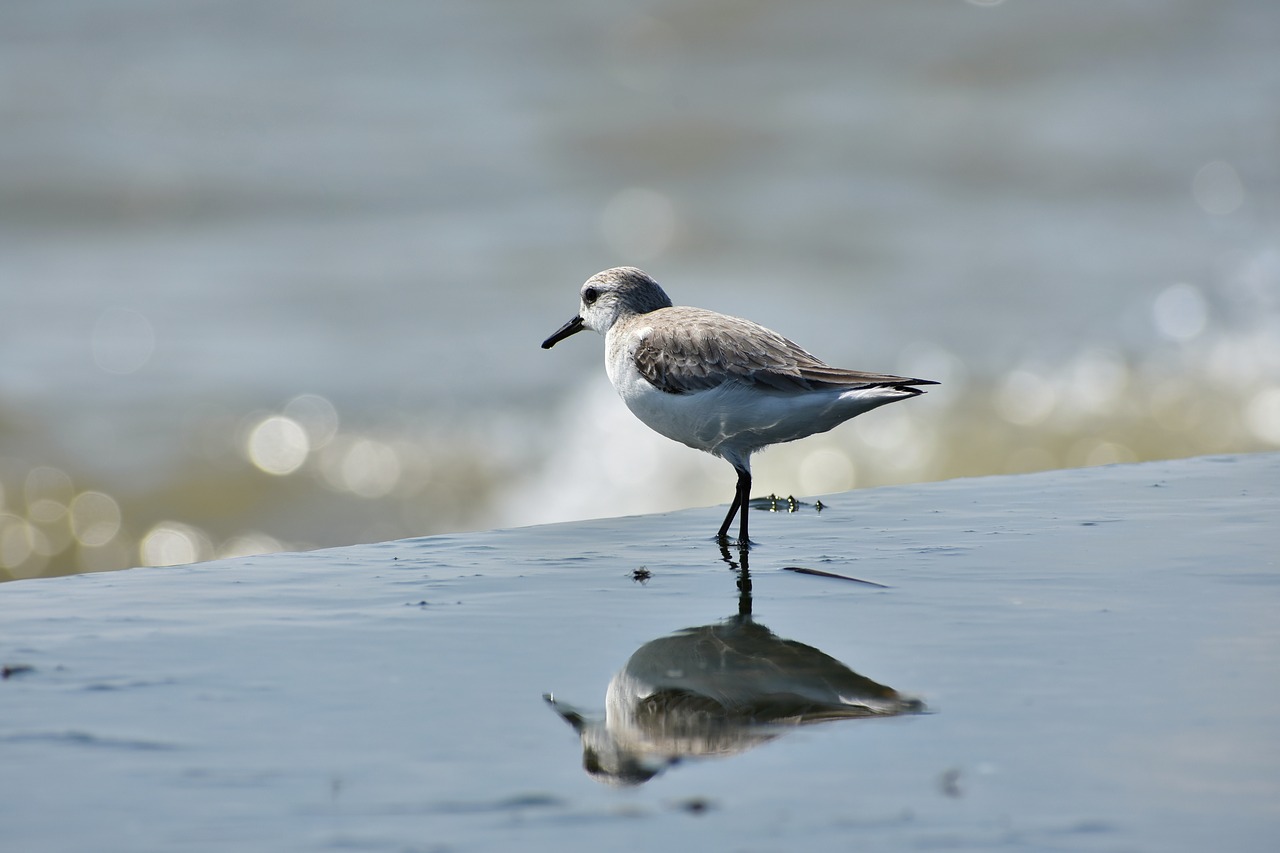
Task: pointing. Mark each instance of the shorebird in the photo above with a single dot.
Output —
(717, 383)
(714, 691)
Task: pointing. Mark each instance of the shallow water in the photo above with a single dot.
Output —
(274, 276)
(1096, 650)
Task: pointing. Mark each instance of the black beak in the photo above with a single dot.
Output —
(568, 713)
(570, 328)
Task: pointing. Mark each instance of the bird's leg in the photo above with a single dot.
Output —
(723, 535)
(744, 582)
(743, 500)
(744, 576)
(741, 495)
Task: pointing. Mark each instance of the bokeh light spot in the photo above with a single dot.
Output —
(890, 430)
(1262, 415)
(171, 543)
(1217, 188)
(1098, 379)
(826, 470)
(45, 483)
(370, 468)
(46, 511)
(95, 519)
(1180, 312)
(24, 548)
(250, 544)
(278, 445)
(362, 466)
(316, 415)
(1108, 453)
(1026, 398)
(15, 540)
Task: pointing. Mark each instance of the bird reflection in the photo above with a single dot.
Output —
(718, 690)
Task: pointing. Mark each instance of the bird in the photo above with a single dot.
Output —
(714, 691)
(717, 383)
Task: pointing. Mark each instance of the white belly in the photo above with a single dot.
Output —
(735, 419)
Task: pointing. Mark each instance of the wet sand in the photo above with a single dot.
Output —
(1095, 649)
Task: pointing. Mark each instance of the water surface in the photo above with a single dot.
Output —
(1096, 650)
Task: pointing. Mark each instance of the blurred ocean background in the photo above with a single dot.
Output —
(273, 275)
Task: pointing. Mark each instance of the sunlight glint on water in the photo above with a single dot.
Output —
(263, 289)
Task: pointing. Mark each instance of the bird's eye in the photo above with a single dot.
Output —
(590, 295)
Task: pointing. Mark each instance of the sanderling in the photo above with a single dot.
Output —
(718, 383)
(714, 691)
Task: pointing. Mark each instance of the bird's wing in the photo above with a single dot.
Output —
(695, 350)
